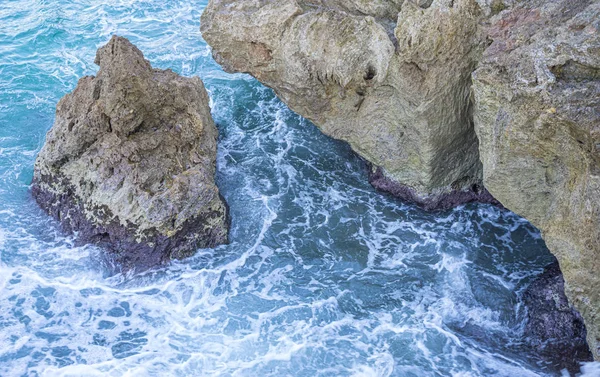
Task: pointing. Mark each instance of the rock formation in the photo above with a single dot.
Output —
(537, 116)
(554, 329)
(130, 162)
(390, 77)
(393, 78)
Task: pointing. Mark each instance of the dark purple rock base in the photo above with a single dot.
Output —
(476, 193)
(118, 239)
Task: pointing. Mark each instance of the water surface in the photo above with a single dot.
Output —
(323, 275)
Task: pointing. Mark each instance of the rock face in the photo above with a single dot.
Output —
(553, 327)
(130, 162)
(390, 77)
(537, 116)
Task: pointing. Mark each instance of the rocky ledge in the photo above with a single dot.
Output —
(129, 163)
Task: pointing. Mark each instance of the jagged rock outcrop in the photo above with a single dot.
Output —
(390, 77)
(554, 329)
(537, 116)
(130, 162)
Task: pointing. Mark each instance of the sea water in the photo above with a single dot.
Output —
(323, 276)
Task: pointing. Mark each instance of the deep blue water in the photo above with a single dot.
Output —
(323, 275)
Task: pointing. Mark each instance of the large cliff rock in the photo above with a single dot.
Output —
(130, 161)
(537, 116)
(391, 77)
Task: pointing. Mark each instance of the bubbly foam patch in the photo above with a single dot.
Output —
(323, 276)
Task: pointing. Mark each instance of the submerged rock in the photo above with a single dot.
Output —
(130, 162)
(554, 328)
(390, 77)
(537, 116)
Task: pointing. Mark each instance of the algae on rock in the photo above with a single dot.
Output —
(130, 161)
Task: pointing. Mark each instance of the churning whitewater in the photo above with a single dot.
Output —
(323, 275)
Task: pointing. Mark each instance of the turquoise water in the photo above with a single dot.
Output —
(323, 276)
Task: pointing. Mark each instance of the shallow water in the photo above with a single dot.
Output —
(323, 275)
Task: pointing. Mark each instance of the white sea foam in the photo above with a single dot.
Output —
(323, 276)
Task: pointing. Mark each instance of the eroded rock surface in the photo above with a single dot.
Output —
(390, 77)
(537, 116)
(130, 162)
(554, 329)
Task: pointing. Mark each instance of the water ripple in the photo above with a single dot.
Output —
(323, 276)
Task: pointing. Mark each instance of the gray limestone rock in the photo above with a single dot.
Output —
(130, 162)
(537, 116)
(391, 78)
